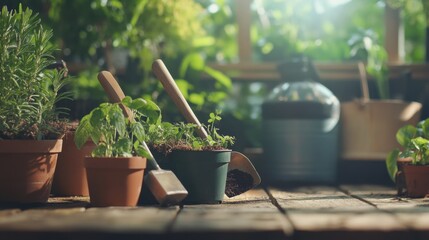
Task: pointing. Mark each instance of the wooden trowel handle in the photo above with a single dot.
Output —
(113, 90)
(170, 86)
(115, 94)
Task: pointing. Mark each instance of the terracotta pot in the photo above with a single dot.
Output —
(401, 186)
(26, 169)
(70, 175)
(114, 181)
(416, 180)
(202, 173)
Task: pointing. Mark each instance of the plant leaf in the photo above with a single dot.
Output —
(420, 141)
(152, 111)
(196, 61)
(196, 98)
(391, 164)
(196, 145)
(405, 134)
(137, 103)
(117, 119)
(97, 116)
(138, 131)
(425, 128)
(142, 152)
(192, 60)
(83, 132)
(127, 101)
(101, 151)
(219, 77)
(123, 147)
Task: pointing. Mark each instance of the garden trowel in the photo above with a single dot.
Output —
(164, 185)
(242, 175)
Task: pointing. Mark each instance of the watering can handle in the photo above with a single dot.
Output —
(363, 82)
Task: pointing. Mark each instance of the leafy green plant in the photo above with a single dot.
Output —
(167, 137)
(29, 90)
(415, 145)
(114, 134)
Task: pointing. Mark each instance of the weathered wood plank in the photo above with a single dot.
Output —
(327, 213)
(141, 219)
(412, 213)
(381, 197)
(231, 223)
(148, 219)
(321, 197)
(9, 212)
(348, 212)
(248, 216)
(37, 218)
(255, 198)
(94, 223)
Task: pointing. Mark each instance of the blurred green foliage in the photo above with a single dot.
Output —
(126, 36)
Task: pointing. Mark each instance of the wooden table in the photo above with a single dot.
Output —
(316, 212)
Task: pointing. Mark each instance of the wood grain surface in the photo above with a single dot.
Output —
(312, 212)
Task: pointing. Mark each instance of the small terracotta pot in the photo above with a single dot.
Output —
(416, 180)
(114, 181)
(26, 169)
(401, 186)
(70, 174)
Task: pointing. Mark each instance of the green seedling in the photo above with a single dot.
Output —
(114, 134)
(414, 143)
(167, 137)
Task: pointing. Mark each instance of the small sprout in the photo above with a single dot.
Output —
(166, 137)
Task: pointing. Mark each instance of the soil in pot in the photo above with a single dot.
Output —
(70, 175)
(114, 181)
(416, 180)
(26, 169)
(202, 173)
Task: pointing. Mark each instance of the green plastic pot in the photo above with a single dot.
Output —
(202, 173)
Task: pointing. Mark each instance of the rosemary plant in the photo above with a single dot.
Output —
(29, 91)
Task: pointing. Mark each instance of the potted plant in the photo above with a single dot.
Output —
(409, 167)
(70, 175)
(116, 166)
(200, 164)
(30, 129)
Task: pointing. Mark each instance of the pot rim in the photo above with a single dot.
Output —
(31, 146)
(217, 150)
(134, 162)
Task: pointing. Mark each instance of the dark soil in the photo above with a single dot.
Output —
(237, 182)
(167, 148)
(49, 130)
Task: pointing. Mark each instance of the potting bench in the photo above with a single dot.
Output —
(316, 212)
